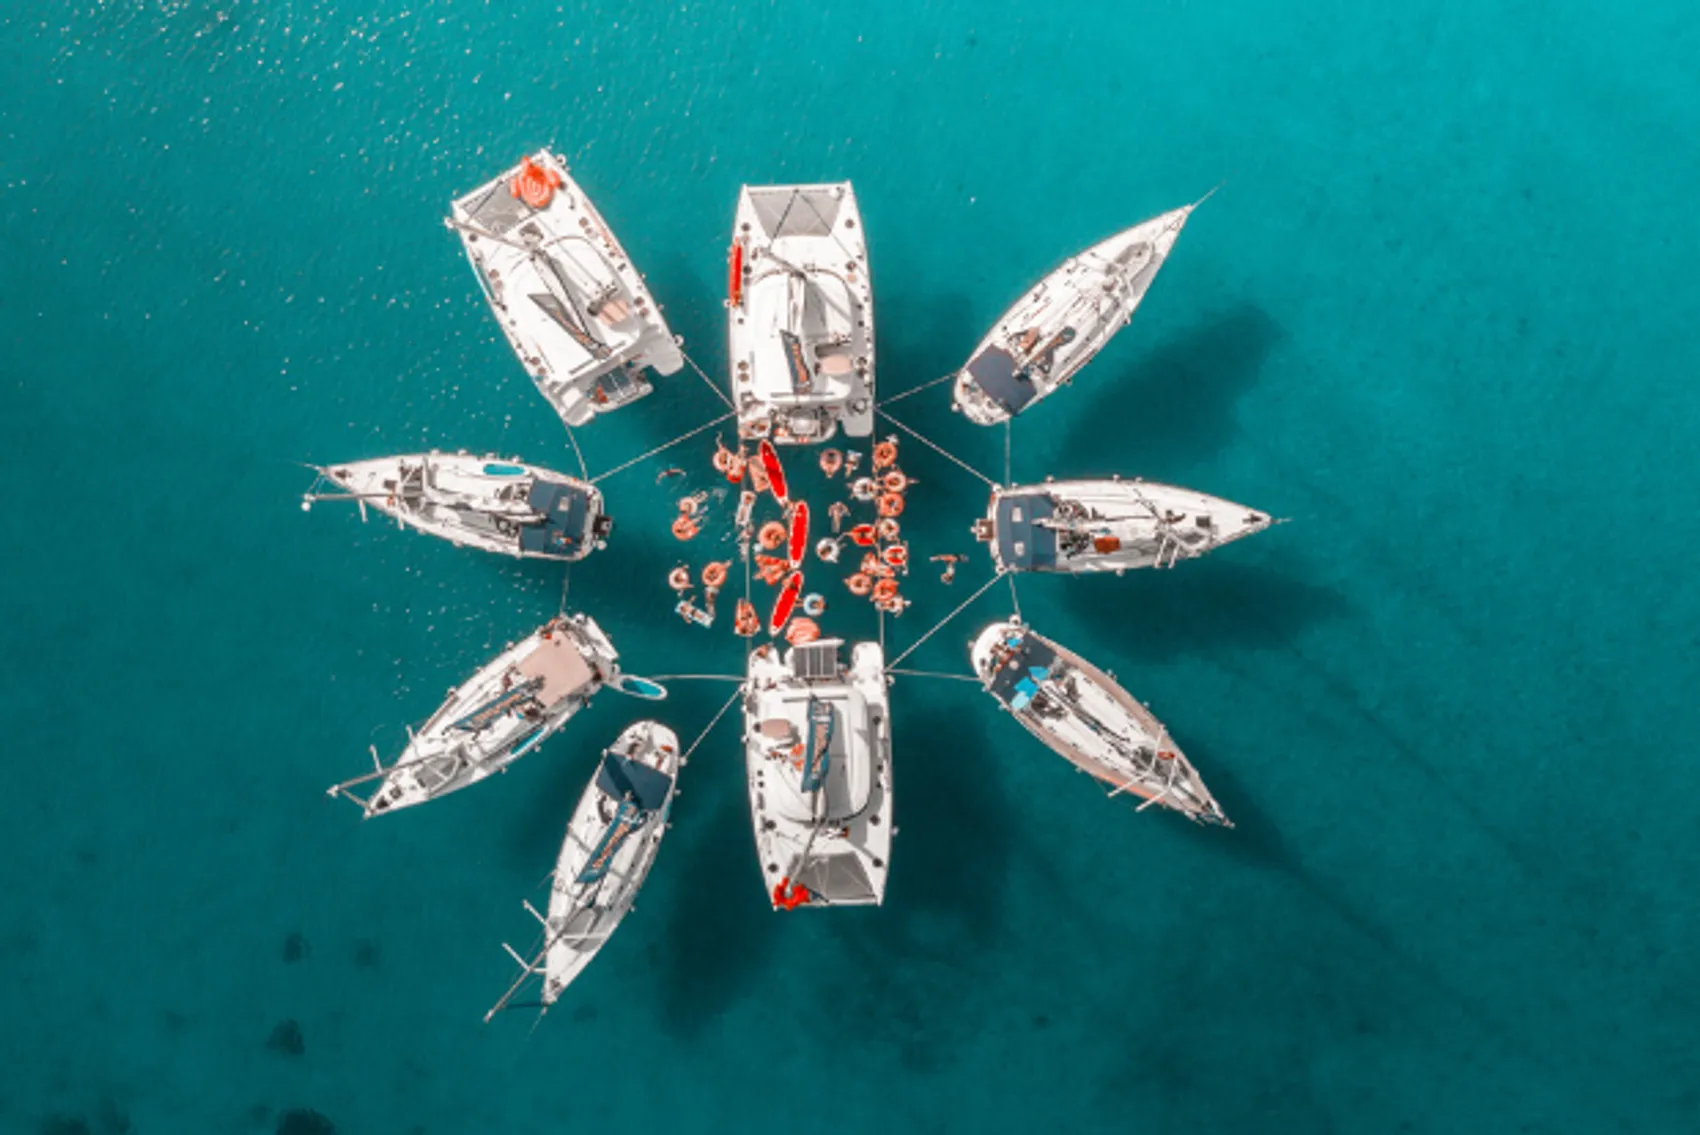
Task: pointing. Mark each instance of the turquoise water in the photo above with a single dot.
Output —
(1440, 315)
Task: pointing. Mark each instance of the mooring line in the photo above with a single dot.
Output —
(709, 728)
(915, 390)
(658, 449)
(702, 374)
(935, 446)
(940, 624)
(583, 472)
(935, 674)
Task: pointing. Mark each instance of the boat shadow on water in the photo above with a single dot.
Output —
(1219, 603)
(1174, 404)
(934, 941)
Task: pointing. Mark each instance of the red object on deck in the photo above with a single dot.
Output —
(799, 533)
(735, 276)
(775, 472)
(789, 896)
(783, 605)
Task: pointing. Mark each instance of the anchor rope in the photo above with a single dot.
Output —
(938, 626)
(1014, 599)
(937, 448)
(600, 477)
(916, 390)
(583, 472)
(709, 728)
(936, 674)
(702, 374)
(1008, 424)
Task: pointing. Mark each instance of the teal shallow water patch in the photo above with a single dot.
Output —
(1434, 316)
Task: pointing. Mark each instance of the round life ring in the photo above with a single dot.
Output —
(894, 482)
(887, 528)
(831, 461)
(862, 488)
(814, 604)
(679, 579)
(885, 453)
(772, 535)
(885, 590)
(714, 575)
(723, 460)
(802, 631)
(684, 527)
(827, 550)
(859, 584)
(897, 555)
(735, 471)
(862, 535)
(891, 505)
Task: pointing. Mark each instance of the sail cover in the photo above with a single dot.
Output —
(502, 703)
(641, 790)
(802, 382)
(818, 762)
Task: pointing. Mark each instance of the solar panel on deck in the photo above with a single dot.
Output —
(815, 662)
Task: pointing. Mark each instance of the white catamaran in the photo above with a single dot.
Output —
(1081, 713)
(498, 715)
(569, 299)
(1108, 525)
(611, 843)
(485, 502)
(1058, 326)
(802, 314)
(817, 751)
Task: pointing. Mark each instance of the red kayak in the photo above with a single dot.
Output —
(775, 473)
(799, 533)
(787, 600)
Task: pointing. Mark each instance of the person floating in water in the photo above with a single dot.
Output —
(949, 561)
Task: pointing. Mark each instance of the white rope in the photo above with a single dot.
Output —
(938, 448)
(709, 728)
(935, 674)
(566, 578)
(694, 678)
(658, 449)
(702, 374)
(583, 472)
(1014, 599)
(940, 624)
(916, 390)
(1008, 425)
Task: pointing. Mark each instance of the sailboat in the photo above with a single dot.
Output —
(611, 843)
(483, 502)
(1080, 712)
(1063, 321)
(571, 302)
(495, 717)
(801, 307)
(817, 753)
(1077, 527)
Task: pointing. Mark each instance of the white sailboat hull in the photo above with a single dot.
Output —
(1080, 713)
(526, 694)
(481, 502)
(835, 840)
(572, 304)
(1084, 526)
(801, 315)
(582, 915)
(1054, 330)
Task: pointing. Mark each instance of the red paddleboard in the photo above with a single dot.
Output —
(775, 473)
(787, 600)
(799, 533)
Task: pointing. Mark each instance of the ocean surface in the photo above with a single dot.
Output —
(1441, 314)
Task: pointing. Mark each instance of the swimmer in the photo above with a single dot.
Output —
(838, 512)
(673, 471)
(949, 562)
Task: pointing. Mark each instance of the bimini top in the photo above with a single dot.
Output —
(626, 779)
(1023, 544)
(565, 510)
(994, 371)
(1017, 680)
